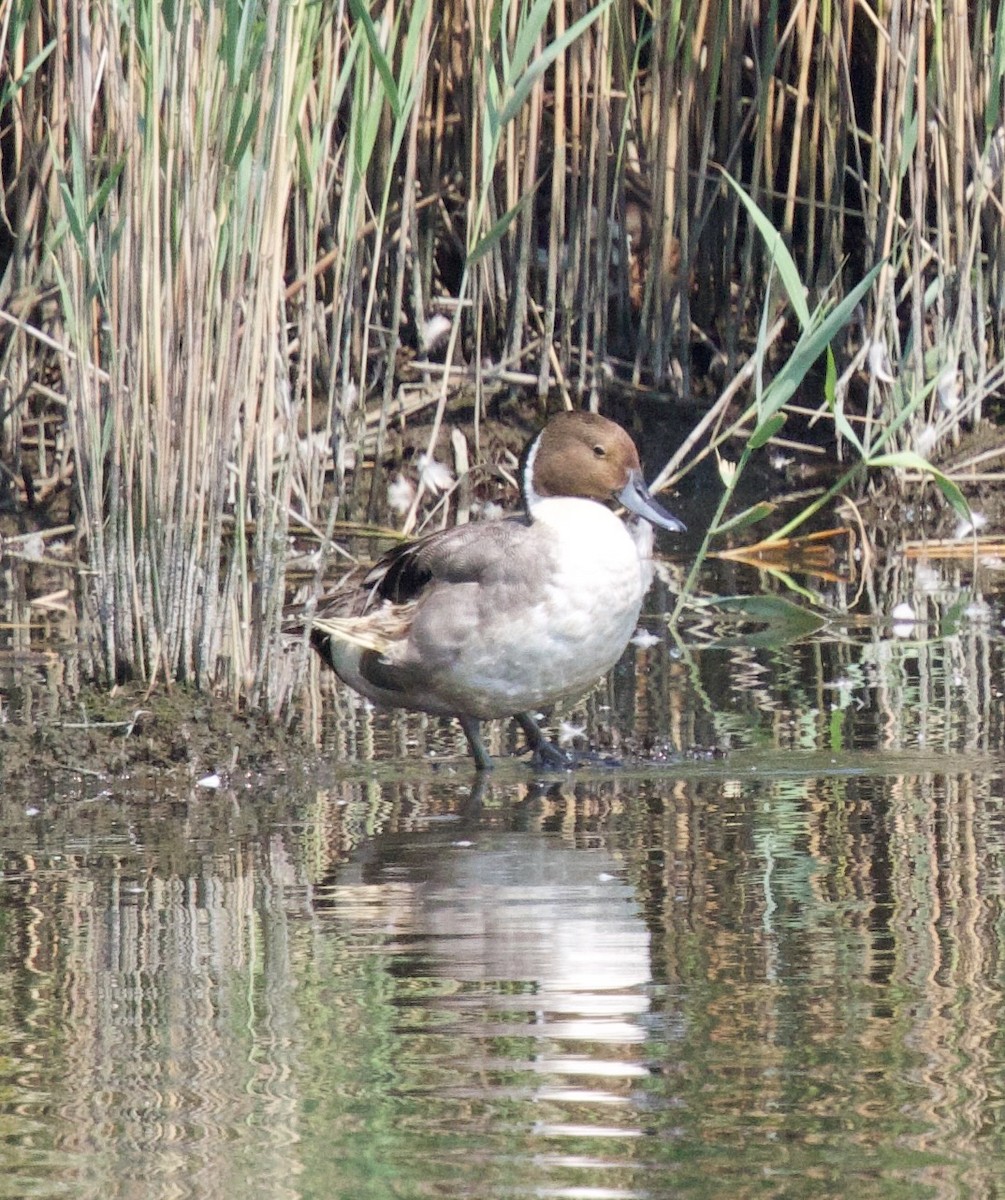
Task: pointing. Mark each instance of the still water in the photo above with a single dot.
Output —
(775, 971)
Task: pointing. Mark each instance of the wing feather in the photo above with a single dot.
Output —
(463, 554)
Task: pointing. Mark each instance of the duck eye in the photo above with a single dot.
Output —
(599, 451)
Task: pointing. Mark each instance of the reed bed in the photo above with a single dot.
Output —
(244, 239)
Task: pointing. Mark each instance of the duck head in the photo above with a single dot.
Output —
(585, 455)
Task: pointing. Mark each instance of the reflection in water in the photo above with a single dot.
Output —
(155, 1042)
(740, 980)
(556, 945)
(506, 907)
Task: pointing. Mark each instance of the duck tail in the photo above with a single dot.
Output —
(377, 631)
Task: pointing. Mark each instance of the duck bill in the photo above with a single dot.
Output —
(636, 498)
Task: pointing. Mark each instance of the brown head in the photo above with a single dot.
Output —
(585, 455)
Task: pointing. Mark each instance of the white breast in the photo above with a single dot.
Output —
(573, 621)
(596, 580)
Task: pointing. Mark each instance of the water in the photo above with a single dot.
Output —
(712, 984)
(772, 972)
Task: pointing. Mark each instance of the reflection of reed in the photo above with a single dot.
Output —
(164, 1014)
(946, 919)
(247, 988)
(861, 931)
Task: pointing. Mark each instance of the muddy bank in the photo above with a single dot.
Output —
(166, 743)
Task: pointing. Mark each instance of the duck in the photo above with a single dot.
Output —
(503, 618)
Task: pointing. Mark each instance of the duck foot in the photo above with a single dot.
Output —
(549, 757)
(546, 755)
(593, 758)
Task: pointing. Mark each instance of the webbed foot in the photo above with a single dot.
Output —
(546, 755)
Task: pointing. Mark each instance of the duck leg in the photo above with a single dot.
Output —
(472, 731)
(546, 754)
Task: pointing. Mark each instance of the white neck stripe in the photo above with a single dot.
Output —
(530, 495)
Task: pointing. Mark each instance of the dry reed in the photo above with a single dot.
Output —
(226, 223)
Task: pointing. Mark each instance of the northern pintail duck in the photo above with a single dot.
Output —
(502, 618)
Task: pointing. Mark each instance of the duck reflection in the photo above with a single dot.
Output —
(516, 962)
(545, 925)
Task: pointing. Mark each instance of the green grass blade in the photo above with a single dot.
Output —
(908, 460)
(993, 111)
(544, 60)
(835, 405)
(359, 11)
(781, 259)
(71, 190)
(410, 75)
(749, 516)
(765, 431)
(813, 342)
(785, 617)
(12, 86)
(530, 29)
(495, 234)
